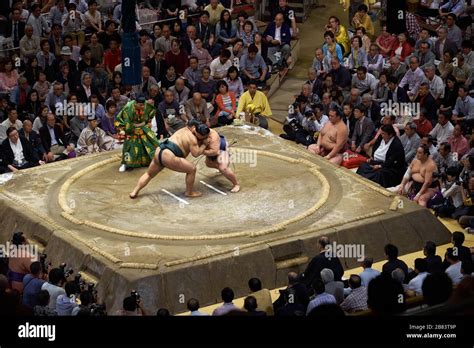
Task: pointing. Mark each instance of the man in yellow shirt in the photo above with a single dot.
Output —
(214, 8)
(260, 102)
(362, 19)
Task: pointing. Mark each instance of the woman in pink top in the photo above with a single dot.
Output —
(458, 142)
(8, 77)
(146, 48)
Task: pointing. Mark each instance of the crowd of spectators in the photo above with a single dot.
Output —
(29, 287)
(401, 104)
(61, 83)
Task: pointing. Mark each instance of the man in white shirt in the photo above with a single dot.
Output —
(38, 22)
(364, 81)
(414, 286)
(11, 121)
(467, 53)
(454, 269)
(413, 77)
(464, 108)
(435, 82)
(443, 129)
(368, 273)
(220, 65)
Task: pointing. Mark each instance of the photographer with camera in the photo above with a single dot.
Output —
(132, 306)
(451, 190)
(293, 123)
(66, 303)
(54, 286)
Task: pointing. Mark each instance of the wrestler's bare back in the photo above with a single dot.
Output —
(185, 139)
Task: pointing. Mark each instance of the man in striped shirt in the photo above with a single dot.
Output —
(322, 297)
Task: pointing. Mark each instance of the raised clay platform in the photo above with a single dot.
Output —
(79, 211)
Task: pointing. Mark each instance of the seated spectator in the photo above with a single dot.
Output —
(180, 91)
(131, 307)
(427, 102)
(258, 100)
(66, 303)
(358, 56)
(443, 129)
(446, 68)
(321, 261)
(437, 288)
(33, 138)
(72, 23)
(169, 79)
(374, 60)
(393, 262)
(341, 76)
(226, 31)
(226, 104)
(331, 48)
(362, 19)
(170, 111)
(388, 163)
(17, 152)
(52, 139)
(435, 82)
(247, 34)
(364, 81)
(157, 65)
(357, 299)
(433, 261)
(418, 182)
(321, 298)
(107, 122)
(415, 285)
(220, 65)
(425, 56)
(54, 286)
(333, 138)
(463, 112)
(340, 33)
(177, 57)
(461, 71)
(458, 142)
(446, 158)
(193, 73)
(93, 139)
(234, 82)
(413, 78)
(335, 288)
(251, 306)
(237, 50)
(402, 49)
(202, 54)
(386, 120)
(227, 295)
(112, 57)
(368, 273)
(423, 125)
(196, 108)
(363, 130)
(278, 37)
(193, 307)
(253, 66)
(11, 121)
(262, 296)
(468, 53)
(206, 86)
(386, 42)
(293, 299)
(410, 141)
(42, 308)
(321, 63)
(384, 294)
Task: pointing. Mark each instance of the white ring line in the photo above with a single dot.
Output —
(213, 188)
(175, 197)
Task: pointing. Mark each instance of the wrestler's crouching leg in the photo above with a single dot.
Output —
(153, 169)
(223, 165)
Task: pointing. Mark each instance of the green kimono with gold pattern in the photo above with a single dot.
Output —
(140, 141)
